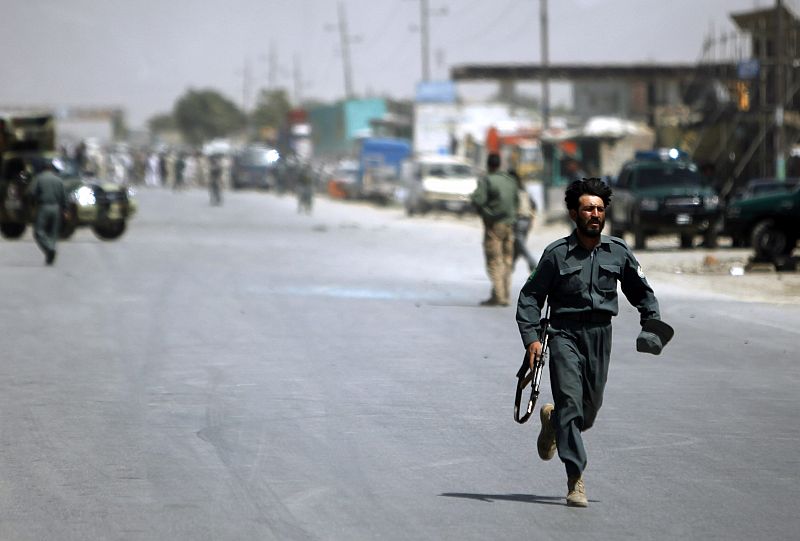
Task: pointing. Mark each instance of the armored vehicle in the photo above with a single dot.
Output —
(25, 143)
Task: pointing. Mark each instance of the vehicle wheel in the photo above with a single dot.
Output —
(711, 238)
(12, 230)
(769, 241)
(687, 240)
(639, 238)
(67, 230)
(616, 231)
(109, 230)
(68, 224)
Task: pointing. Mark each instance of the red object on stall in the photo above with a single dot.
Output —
(492, 141)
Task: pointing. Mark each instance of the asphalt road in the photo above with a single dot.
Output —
(245, 372)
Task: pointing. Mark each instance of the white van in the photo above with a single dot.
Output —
(439, 182)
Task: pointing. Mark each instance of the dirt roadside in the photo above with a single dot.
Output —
(722, 272)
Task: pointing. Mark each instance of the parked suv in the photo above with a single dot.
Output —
(663, 192)
(767, 222)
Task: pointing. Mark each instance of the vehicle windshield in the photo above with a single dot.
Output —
(448, 170)
(13, 167)
(258, 156)
(656, 177)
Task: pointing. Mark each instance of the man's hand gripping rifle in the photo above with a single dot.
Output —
(526, 375)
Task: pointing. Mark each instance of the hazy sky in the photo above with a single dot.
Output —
(143, 54)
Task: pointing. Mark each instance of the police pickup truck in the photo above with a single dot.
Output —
(663, 192)
(768, 220)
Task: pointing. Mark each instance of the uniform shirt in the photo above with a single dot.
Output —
(48, 189)
(575, 280)
(496, 198)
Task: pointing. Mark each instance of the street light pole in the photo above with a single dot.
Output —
(545, 63)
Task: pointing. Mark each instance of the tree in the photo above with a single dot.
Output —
(202, 115)
(272, 108)
(161, 123)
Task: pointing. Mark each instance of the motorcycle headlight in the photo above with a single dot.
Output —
(84, 196)
(648, 203)
(131, 191)
(711, 202)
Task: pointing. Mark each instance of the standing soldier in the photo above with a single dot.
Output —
(578, 276)
(47, 193)
(215, 179)
(304, 188)
(496, 201)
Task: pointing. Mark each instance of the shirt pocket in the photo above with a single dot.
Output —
(570, 282)
(607, 277)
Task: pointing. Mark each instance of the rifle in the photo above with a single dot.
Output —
(526, 376)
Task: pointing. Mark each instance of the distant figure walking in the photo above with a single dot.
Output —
(47, 192)
(305, 189)
(215, 180)
(152, 175)
(526, 211)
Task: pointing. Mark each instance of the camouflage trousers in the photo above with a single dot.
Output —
(498, 247)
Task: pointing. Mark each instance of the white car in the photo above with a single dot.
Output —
(439, 182)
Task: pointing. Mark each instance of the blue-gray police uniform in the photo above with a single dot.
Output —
(581, 288)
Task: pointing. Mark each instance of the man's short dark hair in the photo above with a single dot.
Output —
(493, 161)
(587, 186)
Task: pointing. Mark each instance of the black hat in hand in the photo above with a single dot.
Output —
(654, 336)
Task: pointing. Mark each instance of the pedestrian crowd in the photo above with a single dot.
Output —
(147, 167)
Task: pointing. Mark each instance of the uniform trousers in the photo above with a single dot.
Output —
(498, 247)
(579, 357)
(46, 227)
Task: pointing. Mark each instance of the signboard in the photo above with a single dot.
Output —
(436, 92)
(748, 69)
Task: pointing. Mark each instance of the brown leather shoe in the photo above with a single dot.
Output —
(576, 495)
(546, 442)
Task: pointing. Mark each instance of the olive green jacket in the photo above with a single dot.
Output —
(48, 189)
(495, 198)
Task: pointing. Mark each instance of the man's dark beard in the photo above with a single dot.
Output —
(583, 226)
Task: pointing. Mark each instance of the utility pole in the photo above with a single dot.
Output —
(424, 30)
(272, 67)
(345, 44)
(423, 27)
(298, 81)
(247, 81)
(543, 31)
(780, 92)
